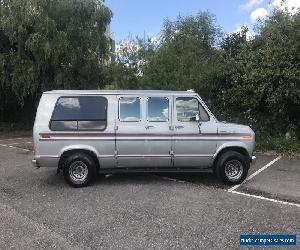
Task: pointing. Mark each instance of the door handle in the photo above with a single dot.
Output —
(171, 127)
(148, 127)
(179, 127)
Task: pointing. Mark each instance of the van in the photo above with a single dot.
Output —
(86, 133)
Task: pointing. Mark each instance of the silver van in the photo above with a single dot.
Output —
(84, 133)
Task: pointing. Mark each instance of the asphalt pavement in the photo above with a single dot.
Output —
(38, 210)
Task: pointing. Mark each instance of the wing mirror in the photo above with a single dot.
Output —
(195, 118)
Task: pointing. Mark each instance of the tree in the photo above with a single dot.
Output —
(50, 44)
(187, 55)
(253, 81)
(233, 43)
(184, 57)
(132, 57)
(265, 77)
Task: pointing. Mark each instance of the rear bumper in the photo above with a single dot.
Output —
(45, 161)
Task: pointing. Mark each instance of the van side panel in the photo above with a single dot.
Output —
(43, 115)
(49, 148)
(172, 144)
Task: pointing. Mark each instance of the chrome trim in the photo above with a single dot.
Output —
(134, 156)
(142, 156)
(171, 154)
(79, 134)
(77, 139)
(192, 155)
(48, 156)
(34, 163)
(253, 159)
(105, 156)
(143, 137)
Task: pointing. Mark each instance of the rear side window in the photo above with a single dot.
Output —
(79, 113)
(129, 109)
(158, 109)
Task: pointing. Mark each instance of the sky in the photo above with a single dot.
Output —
(133, 18)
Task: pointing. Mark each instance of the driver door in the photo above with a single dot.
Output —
(194, 137)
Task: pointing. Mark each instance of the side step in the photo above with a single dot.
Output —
(155, 170)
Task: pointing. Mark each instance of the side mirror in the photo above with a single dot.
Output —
(195, 118)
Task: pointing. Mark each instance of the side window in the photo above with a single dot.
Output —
(129, 109)
(187, 108)
(158, 109)
(79, 113)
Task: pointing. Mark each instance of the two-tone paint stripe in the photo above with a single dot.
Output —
(135, 156)
(143, 137)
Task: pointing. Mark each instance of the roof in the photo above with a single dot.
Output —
(118, 92)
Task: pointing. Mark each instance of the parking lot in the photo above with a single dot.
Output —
(38, 210)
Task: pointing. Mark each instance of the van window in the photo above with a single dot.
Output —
(79, 113)
(129, 109)
(158, 109)
(188, 107)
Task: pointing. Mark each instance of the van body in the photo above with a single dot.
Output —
(86, 132)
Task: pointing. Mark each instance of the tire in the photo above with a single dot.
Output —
(79, 170)
(232, 168)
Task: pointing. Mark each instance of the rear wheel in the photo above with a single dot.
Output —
(232, 167)
(79, 170)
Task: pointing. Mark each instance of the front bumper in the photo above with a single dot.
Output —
(34, 163)
(253, 159)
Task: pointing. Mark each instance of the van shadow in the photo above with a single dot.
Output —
(201, 179)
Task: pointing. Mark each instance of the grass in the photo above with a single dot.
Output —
(278, 144)
(8, 130)
(14, 126)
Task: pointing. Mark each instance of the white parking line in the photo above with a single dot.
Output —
(16, 143)
(267, 199)
(11, 139)
(9, 146)
(232, 190)
(255, 173)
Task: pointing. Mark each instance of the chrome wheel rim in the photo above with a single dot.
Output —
(234, 170)
(78, 171)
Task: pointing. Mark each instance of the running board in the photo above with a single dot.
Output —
(155, 170)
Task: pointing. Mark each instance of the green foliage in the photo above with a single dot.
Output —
(50, 44)
(186, 56)
(128, 70)
(255, 80)
(278, 144)
(265, 78)
(6, 127)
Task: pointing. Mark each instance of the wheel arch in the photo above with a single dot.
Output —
(237, 148)
(72, 150)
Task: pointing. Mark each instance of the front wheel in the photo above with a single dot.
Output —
(79, 170)
(232, 167)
